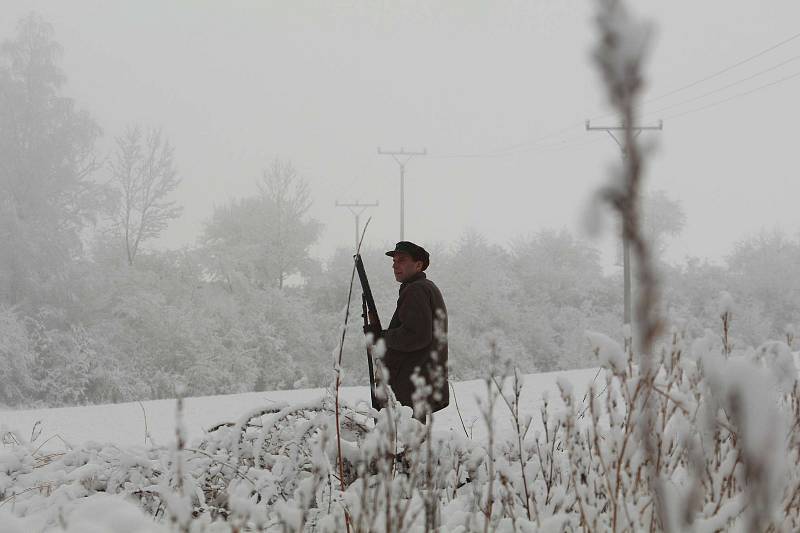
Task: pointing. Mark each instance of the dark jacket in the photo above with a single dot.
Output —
(417, 338)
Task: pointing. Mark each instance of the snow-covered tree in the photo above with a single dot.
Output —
(264, 238)
(46, 160)
(662, 218)
(554, 266)
(764, 268)
(16, 358)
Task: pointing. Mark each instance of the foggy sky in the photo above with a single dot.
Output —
(325, 83)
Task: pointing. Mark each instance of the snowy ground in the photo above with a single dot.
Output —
(271, 476)
(124, 424)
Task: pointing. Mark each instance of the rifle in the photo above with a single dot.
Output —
(368, 306)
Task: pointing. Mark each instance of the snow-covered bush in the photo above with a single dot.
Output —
(726, 456)
(16, 358)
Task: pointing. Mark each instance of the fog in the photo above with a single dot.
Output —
(606, 200)
(259, 118)
(324, 84)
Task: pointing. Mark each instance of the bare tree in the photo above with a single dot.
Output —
(144, 173)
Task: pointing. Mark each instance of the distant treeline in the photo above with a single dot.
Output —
(107, 331)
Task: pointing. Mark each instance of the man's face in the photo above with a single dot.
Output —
(404, 266)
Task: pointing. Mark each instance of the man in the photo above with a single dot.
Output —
(416, 340)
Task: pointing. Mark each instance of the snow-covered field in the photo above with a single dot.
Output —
(124, 424)
(100, 453)
(279, 466)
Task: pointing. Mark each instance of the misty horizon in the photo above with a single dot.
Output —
(324, 87)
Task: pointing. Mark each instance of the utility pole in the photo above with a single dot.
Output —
(357, 208)
(626, 249)
(402, 157)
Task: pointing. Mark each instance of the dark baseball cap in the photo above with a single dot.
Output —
(417, 253)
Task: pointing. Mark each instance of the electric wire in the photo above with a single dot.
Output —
(535, 145)
(723, 88)
(735, 96)
(713, 75)
(724, 70)
(569, 142)
(531, 145)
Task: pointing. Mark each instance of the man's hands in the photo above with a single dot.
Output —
(374, 329)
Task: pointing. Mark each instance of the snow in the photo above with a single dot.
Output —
(726, 304)
(124, 423)
(608, 351)
(281, 478)
(100, 513)
(126, 457)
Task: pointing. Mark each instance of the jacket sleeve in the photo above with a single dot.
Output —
(416, 322)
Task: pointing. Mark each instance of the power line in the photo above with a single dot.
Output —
(347, 188)
(724, 87)
(735, 96)
(572, 143)
(724, 70)
(533, 144)
(713, 75)
(511, 149)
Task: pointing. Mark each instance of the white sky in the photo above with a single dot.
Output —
(234, 84)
